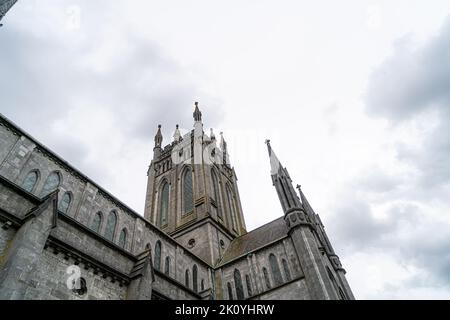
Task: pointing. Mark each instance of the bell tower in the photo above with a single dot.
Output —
(192, 191)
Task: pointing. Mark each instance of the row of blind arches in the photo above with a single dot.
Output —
(276, 275)
(52, 183)
(188, 197)
(187, 276)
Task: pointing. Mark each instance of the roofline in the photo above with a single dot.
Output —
(221, 265)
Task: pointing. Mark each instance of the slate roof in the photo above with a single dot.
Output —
(255, 239)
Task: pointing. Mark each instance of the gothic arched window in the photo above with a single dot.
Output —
(51, 184)
(287, 273)
(266, 278)
(194, 278)
(30, 181)
(65, 202)
(167, 266)
(238, 284)
(230, 291)
(111, 226)
(215, 183)
(186, 278)
(202, 285)
(164, 205)
(249, 285)
(97, 222)
(157, 262)
(188, 192)
(123, 238)
(230, 199)
(276, 273)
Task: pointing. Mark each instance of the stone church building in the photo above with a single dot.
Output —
(62, 236)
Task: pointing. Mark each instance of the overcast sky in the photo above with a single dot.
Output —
(354, 96)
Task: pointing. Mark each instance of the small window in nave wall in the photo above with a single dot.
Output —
(167, 266)
(194, 278)
(111, 226)
(65, 203)
(276, 273)
(96, 222)
(123, 238)
(249, 285)
(287, 273)
(51, 184)
(186, 278)
(266, 278)
(238, 284)
(30, 181)
(157, 260)
(230, 291)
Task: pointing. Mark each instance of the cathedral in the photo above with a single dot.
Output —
(64, 237)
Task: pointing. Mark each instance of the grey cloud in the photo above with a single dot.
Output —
(378, 181)
(43, 79)
(412, 82)
(412, 79)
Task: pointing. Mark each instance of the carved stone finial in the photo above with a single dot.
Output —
(158, 138)
(177, 134)
(197, 113)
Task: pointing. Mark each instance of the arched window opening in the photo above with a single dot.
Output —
(249, 285)
(167, 266)
(123, 238)
(232, 207)
(30, 181)
(287, 273)
(238, 284)
(111, 226)
(186, 278)
(65, 203)
(230, 291)
(51, 184)
(96, 222)
(266, 278)
(157, 262)
(194, 278)
(276, 273)
(188, 192)
(164, 205)
(202, 285)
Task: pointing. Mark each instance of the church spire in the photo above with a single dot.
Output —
(305, 203)
(158, 138)
(282, 182)
(158, 143)
(197, 113)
